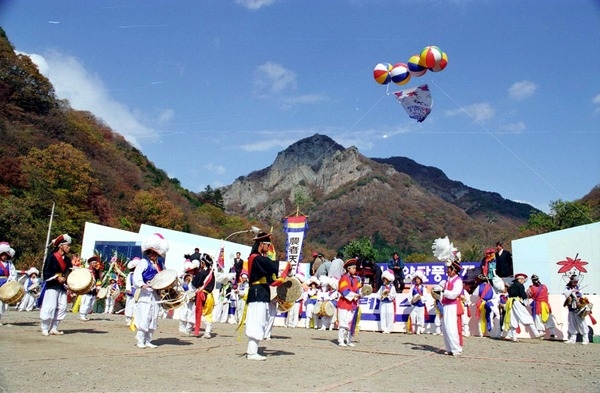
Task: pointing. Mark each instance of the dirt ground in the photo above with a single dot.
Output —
(100, 356)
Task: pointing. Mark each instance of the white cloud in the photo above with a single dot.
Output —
(515, 127)
(254, 4)
(522, 90)
(86, 91)
(38, 60)
(305, 99)
(268, 144)
(218, 169)
(272, 78)
(165, 116)
(596, 100)
(478, 112)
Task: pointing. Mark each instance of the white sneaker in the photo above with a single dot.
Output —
(322, 328)
(256, 357)
(84, 319)
(56, 332)
(570, 342)
(206, 335)
(342, 344)
(140, 346)
(45, 333)
(351, 345)
(585, 342)
(150, 345)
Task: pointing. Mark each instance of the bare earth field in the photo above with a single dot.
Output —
(100, 356)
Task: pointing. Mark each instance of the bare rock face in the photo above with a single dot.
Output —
(317, 161)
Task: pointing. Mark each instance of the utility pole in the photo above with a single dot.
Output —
(48, 237)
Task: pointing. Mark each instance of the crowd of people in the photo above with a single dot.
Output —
(329, 298)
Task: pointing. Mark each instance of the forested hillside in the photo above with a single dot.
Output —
(54, 154)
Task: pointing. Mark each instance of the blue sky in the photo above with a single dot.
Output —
(213, 90)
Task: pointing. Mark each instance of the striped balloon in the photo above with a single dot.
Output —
(414, 66)
(430, 56)
(381, 73)
(400, 74)
(441, 64)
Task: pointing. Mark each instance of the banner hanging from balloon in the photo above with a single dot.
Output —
(417, 102)
(295, 227)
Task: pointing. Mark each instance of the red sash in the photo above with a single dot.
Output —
(200, 299)
(61, 261)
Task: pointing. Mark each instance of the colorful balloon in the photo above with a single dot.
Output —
(431, 56)
(400, 74)
(414, 66)
(441, 64)
(381, 73)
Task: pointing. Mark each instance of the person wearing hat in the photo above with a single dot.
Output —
(540, 306)
(396, 264)
(387, 306)
(88, 299)
(130, 290)
(7, 270)
(32, 290)
(204, 281)
(488, 263)
(113, 292)
(316, 263)
(452, 309)
(262, 271)
(349, 289)
(576, 324)
(515, 310)
(55, 272)
(187, 311)
(147, 308)
(324, 321)
(241, 292)
(311, 301)
(417, 299)
(486, 308)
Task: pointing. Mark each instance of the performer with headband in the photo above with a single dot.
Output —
(87, 300)
(516, 313)
(7, 269)
(130, 290)
(205, 302)
(576, 323)
(146, 309)
(452, 309)
(262, 271)
(56, 269)
(540, 307)
(349, 289)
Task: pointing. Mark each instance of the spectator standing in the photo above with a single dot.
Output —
(504, 262)
(336, 269)
(396, 264)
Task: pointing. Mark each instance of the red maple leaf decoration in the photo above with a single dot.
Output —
(571, 263)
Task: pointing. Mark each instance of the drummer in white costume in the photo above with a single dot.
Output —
(7, 270)
(130, 290)
(32, 288)
(88, 300)
(56, 269)
(146, 309)
(516, 312)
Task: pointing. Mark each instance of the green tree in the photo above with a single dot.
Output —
(562, 215)
(360, 248)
